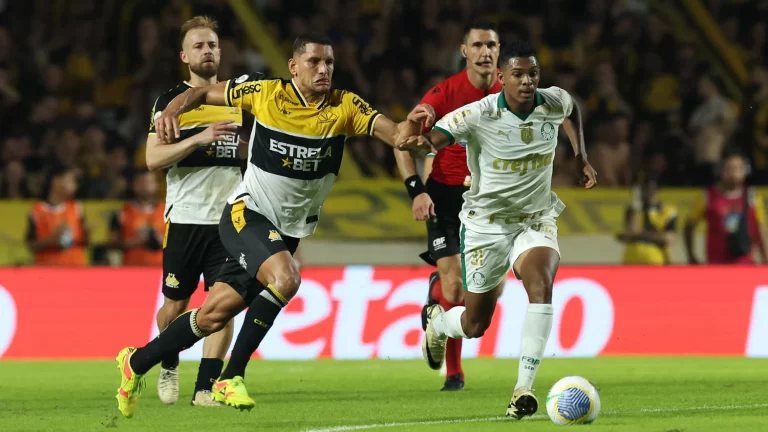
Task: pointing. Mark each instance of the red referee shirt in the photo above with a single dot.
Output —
(450, 164)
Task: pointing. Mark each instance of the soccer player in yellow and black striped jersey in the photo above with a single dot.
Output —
(202, 168)
(294, 157)
(650, 228)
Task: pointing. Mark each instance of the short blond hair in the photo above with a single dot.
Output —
(200, 21)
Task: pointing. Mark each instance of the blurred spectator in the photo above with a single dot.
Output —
(611, 154)
(14, 181)
(604, 98)
(56, 231)
(735, 217)
(138, 228)
(755, 121)
(104, 62)
(564, 173)
(711, 125)
(650, 227)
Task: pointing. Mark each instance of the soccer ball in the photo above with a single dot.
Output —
(573, 400)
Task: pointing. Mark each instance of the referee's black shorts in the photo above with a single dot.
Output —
(443, 229)
(250, 239)
(189, 251)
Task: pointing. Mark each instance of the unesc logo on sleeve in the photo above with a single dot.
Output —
(363, 106)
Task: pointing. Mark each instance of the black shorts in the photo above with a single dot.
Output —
(443, 229)
(250, 239)
(189, 251)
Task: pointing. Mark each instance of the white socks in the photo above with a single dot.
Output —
(536, 328)
(449, 323)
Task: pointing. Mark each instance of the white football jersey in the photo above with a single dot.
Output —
(510, 157)
(198, 185)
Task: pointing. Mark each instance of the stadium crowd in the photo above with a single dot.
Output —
(78, 79)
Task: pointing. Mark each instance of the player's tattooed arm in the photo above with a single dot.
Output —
(167, 124)
(575, 129)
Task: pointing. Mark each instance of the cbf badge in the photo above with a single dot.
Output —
(526, 134)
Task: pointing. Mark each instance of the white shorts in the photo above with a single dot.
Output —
(487, 258)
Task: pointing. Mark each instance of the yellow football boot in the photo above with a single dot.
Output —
(131, 384)
(232, 392)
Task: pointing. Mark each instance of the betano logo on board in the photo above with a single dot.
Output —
(365, 312)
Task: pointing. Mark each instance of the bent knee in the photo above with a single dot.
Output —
(211, 321)
(287, 284)
(453, 289)
(539, 288)
(476, 328)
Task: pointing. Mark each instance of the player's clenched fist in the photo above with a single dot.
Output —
(588, 175)
(423, 207)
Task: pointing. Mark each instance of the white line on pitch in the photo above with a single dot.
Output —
(495, 419)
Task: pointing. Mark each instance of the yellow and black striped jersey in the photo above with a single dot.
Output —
(295, 149)
(197, 186)
(657, 217)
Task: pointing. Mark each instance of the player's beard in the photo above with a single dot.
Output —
(205, 70)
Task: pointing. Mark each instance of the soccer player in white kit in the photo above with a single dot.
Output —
(508, 217)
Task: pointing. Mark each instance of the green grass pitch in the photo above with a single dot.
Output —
(638, 394)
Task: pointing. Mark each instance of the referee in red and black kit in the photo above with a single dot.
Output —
(439, 201)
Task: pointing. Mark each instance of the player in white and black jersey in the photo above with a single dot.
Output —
(294, 156)
(202, 169)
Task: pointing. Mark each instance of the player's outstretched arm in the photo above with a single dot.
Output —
(432, 141)
(167, 124)
(395, 133)
(575, 130)
(161, 155)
